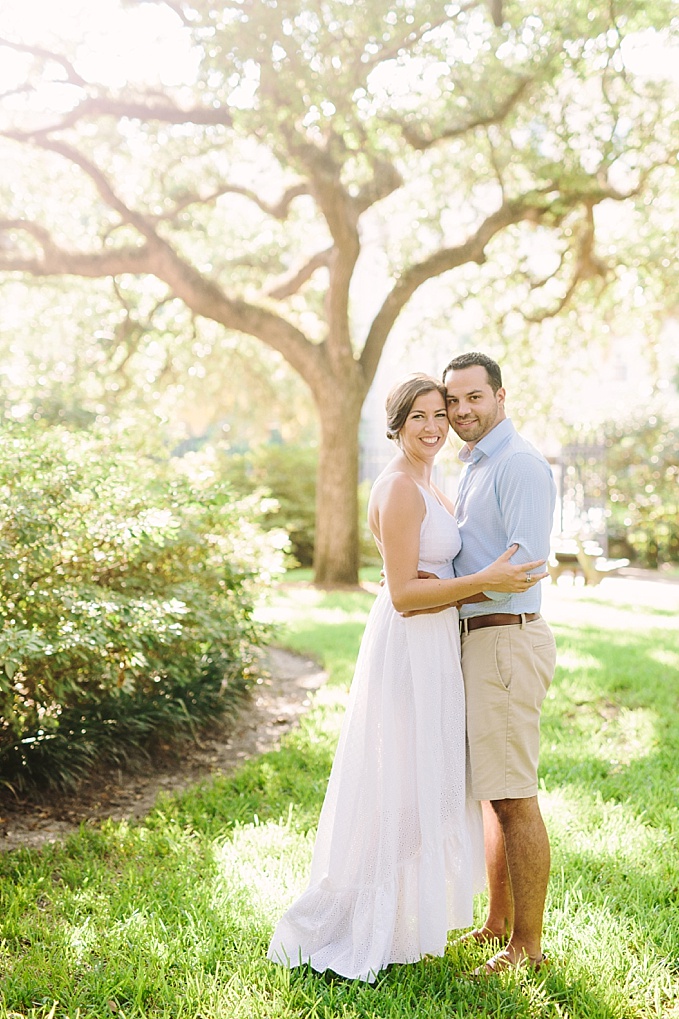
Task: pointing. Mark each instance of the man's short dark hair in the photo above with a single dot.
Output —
(469, 360)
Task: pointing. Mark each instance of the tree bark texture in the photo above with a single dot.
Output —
(337, 546)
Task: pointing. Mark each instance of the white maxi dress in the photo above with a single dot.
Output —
(399, 849)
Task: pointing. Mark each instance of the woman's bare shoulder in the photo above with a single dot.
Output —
(393, 484)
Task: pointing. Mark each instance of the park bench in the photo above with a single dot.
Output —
(583, 558)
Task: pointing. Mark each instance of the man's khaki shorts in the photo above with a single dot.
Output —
(507, 672)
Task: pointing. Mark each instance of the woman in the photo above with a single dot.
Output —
(399, 849)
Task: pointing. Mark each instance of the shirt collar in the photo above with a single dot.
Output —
(489, 444)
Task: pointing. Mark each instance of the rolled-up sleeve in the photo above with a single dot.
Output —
(526, 495)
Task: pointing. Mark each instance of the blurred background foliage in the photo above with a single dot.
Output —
(287, 475)
(642, 460)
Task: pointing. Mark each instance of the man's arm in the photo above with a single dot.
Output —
(526, 496)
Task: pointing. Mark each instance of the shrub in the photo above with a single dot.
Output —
(287, 475)
(126, 598)
(643, 483)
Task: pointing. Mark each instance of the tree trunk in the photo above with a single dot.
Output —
(336, 553)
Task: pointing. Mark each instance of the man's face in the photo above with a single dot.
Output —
(473, 407)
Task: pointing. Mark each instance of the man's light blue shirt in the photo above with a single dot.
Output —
(506, 497)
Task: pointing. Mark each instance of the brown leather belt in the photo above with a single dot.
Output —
(495, 619)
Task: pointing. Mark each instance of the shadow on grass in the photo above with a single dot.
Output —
(445, 987)
(630, 663)
(614, 728)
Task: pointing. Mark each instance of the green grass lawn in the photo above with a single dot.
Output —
(171, 917)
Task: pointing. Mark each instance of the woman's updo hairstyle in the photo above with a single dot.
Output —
(402, 397)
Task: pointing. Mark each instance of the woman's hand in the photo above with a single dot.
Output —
(511, 578)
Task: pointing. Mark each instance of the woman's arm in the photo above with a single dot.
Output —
(398, 512)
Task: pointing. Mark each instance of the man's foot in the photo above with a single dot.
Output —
(506, 959)
(480, 936)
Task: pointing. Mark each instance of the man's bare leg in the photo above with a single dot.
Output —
(528, 859)
(500, 919)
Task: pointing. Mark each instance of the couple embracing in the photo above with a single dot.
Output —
(437, 758)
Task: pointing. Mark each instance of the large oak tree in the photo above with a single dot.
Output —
(316, 133)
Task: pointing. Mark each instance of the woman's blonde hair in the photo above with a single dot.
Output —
(402, 397)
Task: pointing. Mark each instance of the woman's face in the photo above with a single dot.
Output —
(426, 427)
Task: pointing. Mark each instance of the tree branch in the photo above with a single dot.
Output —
(535, 207)
(56, 261)
(588, 266)
(72, 76)
(496, 12)
(386, 179)
(158, 258)
(410, 38)
(291, 282)
(200, 294)
(420, 139)
(148, 108)
(41, 234)
(279, 210)
(341, 213)
(167, 113)
(99, 180)
(103, 106)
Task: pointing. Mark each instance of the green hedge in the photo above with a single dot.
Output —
(126, 598)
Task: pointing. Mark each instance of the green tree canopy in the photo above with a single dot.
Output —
(328, 160)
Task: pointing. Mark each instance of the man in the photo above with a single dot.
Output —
(506, 496)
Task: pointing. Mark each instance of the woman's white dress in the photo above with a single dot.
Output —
(399, 848)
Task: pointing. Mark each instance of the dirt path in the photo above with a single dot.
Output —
(279, 699)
